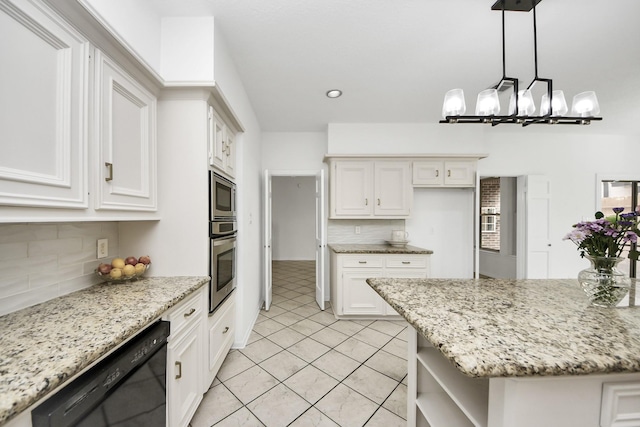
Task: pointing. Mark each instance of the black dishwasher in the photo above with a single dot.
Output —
(126, 389)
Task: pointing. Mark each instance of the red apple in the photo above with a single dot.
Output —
(104, 268)
(131, 260)
(145, 259)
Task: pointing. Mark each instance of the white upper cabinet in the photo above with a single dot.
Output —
(366, 188)
(222, 149)
(125, 126)
(445, 173)
(43, 124)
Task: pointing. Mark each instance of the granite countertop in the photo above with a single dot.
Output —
(376, 249)
(44, 345)
(508, 328)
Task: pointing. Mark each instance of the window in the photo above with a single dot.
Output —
(622, 194)
(489, 220)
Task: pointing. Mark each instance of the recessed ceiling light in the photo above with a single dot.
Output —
(334, 93)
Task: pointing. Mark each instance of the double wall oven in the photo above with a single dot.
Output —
(222, 234)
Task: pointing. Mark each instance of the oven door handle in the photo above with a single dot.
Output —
(231, 240)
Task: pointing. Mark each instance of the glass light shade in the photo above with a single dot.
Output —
(559, 107)
(526, 107)
(454, 104)
(488, 103)
(585, 104)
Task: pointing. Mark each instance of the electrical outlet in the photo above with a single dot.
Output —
(103, 248)
(357, 229)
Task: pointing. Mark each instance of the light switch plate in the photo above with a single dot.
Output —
(103, 248)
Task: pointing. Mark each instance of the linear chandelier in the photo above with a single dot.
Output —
(553, 105)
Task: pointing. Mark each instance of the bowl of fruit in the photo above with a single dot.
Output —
(122, 270)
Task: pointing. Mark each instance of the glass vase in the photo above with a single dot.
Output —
(603, 283)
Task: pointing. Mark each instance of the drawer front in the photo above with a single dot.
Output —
(191, 308)
(364, 261)
(221, 336)
(406, 261)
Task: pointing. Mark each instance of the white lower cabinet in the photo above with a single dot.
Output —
(221, 331)
(351, 296)
(185, 358)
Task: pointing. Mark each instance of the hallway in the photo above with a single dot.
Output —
(302, 367)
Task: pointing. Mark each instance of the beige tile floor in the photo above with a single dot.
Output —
(302, 367)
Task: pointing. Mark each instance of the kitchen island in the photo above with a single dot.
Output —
(507, 353)
(43, 346)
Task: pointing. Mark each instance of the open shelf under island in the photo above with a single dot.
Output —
(516, 353)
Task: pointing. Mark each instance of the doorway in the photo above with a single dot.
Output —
(294, 225)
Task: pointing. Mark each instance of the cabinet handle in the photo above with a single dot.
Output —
(449, 172)
(366, 202)
(378, 202)
(228, 149)
(437, 173)
(224, 147)
(193, 310)
(362, 262)
(406, 262)
(226, 329)
(110, 167)
(179, 367)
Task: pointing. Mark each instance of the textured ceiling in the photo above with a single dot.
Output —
(395, 59)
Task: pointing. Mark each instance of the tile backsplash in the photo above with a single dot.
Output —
(39, 262)
(372, 231)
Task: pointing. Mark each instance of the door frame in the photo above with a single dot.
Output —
(269, 174)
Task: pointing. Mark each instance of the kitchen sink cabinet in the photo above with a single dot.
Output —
(185, 358)
(222, 149)
(44, 123)
(444, 173)
(125, 126)
(362, 188)
(352, 297)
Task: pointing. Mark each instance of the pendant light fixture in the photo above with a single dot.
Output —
(553, 105)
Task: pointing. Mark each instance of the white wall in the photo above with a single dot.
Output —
(187, 49)
(293, 217)
(135, 23)
(249, 296)
(301, 151)
(569, 156)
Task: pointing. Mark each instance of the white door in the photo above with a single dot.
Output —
(267, 239)
(537, 246)
(321, 238)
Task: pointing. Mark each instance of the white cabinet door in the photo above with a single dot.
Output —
(460, 173)
(184, 373)
(43, 119)
(428, 173)
(357, 295)
(353, 188)
(230, 153)
(125, 129)
(221, 330)
(216, 140)
(393, 192)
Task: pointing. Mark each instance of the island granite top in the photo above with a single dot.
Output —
(509, 328)
(341, 248)
(44, 345)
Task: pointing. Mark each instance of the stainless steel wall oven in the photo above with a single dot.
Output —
(222, 234)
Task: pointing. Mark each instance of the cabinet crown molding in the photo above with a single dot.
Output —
(405, 156)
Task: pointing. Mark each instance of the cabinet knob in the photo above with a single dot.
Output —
(179, 368)
(226, 329)
(193, 310)
(110, 168)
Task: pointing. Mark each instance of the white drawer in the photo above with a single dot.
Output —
(221, 334)
(190, 308)
(364, 261)
(406, 261)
